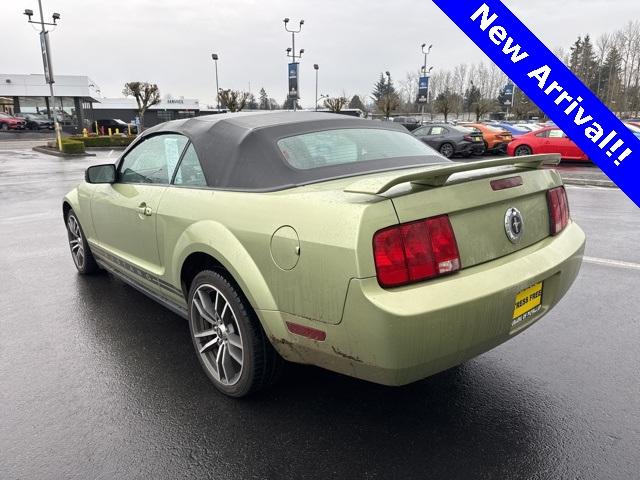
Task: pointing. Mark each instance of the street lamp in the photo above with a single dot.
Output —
(426, 73)
(291, 53)
(46, 61)
(214, 56)
(316, 68)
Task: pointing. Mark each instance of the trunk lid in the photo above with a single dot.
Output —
(477, 208)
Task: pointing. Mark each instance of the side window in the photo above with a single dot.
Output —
(556, 134)
(544, 134)
(420, 131)
(190, 172)
(438, 130)
(154, 160)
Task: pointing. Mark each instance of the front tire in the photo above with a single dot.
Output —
(229, 341)
(82, 257)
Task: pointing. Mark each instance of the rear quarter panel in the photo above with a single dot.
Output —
(237, 228)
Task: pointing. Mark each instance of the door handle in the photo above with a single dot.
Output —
(144, 210)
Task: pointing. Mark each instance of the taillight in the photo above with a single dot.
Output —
(415, 251)
(468, 138)
(558, 209)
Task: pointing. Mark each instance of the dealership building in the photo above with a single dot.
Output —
(78, 101)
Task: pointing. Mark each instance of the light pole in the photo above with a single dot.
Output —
(425, 73)
(46, 61)
(321, 97)
(291, 53)
(214, 56)
(387, 94)
(316, 68)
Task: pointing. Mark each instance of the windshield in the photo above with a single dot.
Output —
(351, 146)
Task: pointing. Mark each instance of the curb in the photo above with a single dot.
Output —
(56, 153)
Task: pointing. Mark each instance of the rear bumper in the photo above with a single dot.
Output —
(399, 336)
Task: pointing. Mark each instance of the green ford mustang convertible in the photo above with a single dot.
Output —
(326, 240)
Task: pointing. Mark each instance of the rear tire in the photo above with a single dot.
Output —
(228, 338)
(447, 150)
(522, 150)
(82, 257)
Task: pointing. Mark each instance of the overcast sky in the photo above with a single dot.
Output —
(170, 42)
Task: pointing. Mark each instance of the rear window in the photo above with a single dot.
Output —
(351, 146)
(467, 129)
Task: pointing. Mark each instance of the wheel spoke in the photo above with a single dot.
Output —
(218, 356)
(226, 367)
(206, 333)
(204, 314)
(235, 355)
(210, 344)
(235, 340)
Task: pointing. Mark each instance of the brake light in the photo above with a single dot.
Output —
(415, 251)
(558, 210)
(468, 138)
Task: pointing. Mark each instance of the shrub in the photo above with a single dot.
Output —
(72, 146)
(104, 141)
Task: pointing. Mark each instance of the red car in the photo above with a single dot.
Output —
(8, 122)
(547, 140)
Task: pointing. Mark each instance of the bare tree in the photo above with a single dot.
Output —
(233, 100)
(336, 104)
(146, 95)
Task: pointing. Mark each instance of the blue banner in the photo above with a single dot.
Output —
(423, 89)
(293, 81)
(551, 86)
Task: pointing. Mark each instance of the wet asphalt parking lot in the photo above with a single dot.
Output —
(99, 382)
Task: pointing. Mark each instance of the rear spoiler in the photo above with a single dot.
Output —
(438, 175)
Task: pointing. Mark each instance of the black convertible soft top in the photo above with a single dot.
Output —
(239, 151)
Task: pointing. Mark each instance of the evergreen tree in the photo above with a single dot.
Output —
(356, 103)
(575, 55)
(251, 102)
(288, 104)
(264, 100)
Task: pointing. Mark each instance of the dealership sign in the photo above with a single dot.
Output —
(552, 86)
(423, 89)
(293, 81)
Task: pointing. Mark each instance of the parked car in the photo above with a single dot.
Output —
(495, 139)
(283, 235)
(527, 127)
(410, 123)
(635, 129)
(451, 140)
(547, 140)
(9, 122)
(515, 131)
(36, 121)
(113, 124)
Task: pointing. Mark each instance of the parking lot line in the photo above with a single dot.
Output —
(612, 263)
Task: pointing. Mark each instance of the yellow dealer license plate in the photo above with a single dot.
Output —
(528, 303)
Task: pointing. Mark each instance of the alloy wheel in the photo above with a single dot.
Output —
(217, 335)
(447, 150)
(75, 241)
(522, 150)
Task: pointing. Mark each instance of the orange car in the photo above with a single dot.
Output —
(495, 138)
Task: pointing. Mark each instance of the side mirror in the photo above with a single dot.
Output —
(101, 173)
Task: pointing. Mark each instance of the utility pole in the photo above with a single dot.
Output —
(47, 62)
(316, 68)
(294, 91)
(214, 56)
